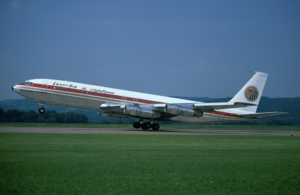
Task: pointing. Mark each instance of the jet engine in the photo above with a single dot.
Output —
(184, 111)
(140, 112)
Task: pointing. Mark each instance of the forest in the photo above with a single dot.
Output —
(48, 117)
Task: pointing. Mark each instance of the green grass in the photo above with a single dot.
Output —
(148, 164)
(163, 126)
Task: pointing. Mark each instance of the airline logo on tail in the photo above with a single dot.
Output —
(251, 93)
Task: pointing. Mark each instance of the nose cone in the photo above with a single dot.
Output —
(15, 89)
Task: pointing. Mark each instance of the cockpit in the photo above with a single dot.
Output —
(16, 88)
(27, 83)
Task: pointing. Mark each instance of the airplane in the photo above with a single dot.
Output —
(124, 104)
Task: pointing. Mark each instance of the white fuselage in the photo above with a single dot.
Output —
(90, 97)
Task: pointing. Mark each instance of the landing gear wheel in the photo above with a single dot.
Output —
(41, 110)
(136, 125)
(155, 127)
(146, 126)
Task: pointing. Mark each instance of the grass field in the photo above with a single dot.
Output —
(148, 164)
(163, 126)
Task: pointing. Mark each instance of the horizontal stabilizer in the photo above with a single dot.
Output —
(262, 114)
(222, 105)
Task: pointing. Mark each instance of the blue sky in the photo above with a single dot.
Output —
(181, 48)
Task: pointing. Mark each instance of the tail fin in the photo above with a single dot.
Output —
(252, 91)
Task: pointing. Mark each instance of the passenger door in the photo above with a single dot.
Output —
(44, 86)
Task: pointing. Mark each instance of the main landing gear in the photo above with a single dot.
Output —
(146, 125)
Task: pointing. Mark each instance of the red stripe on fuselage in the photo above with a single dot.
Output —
(91, 93)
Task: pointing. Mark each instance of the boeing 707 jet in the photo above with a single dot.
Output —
(147, 107)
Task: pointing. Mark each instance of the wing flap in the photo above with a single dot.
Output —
(262, 114)
(221, 105)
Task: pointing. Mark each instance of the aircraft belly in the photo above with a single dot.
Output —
(206, 119)
(202, 119)
(62, 100)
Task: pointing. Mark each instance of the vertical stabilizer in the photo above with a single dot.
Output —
(252, 91)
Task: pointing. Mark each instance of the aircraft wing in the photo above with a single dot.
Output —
(206, 107)
(262, 114)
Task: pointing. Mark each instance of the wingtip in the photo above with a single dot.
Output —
(261, 73)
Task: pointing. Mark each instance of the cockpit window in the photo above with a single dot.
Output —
(28, 83)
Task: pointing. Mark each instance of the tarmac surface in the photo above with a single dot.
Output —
(141, 132)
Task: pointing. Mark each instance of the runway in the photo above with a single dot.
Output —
(50, 130)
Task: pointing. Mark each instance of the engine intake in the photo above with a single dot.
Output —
(184, 111)
(140, 112)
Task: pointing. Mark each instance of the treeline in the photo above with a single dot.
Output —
(273, 122)
(48, 117)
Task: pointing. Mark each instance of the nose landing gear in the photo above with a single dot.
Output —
(42, 110)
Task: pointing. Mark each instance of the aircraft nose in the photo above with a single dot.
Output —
(15, 89)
